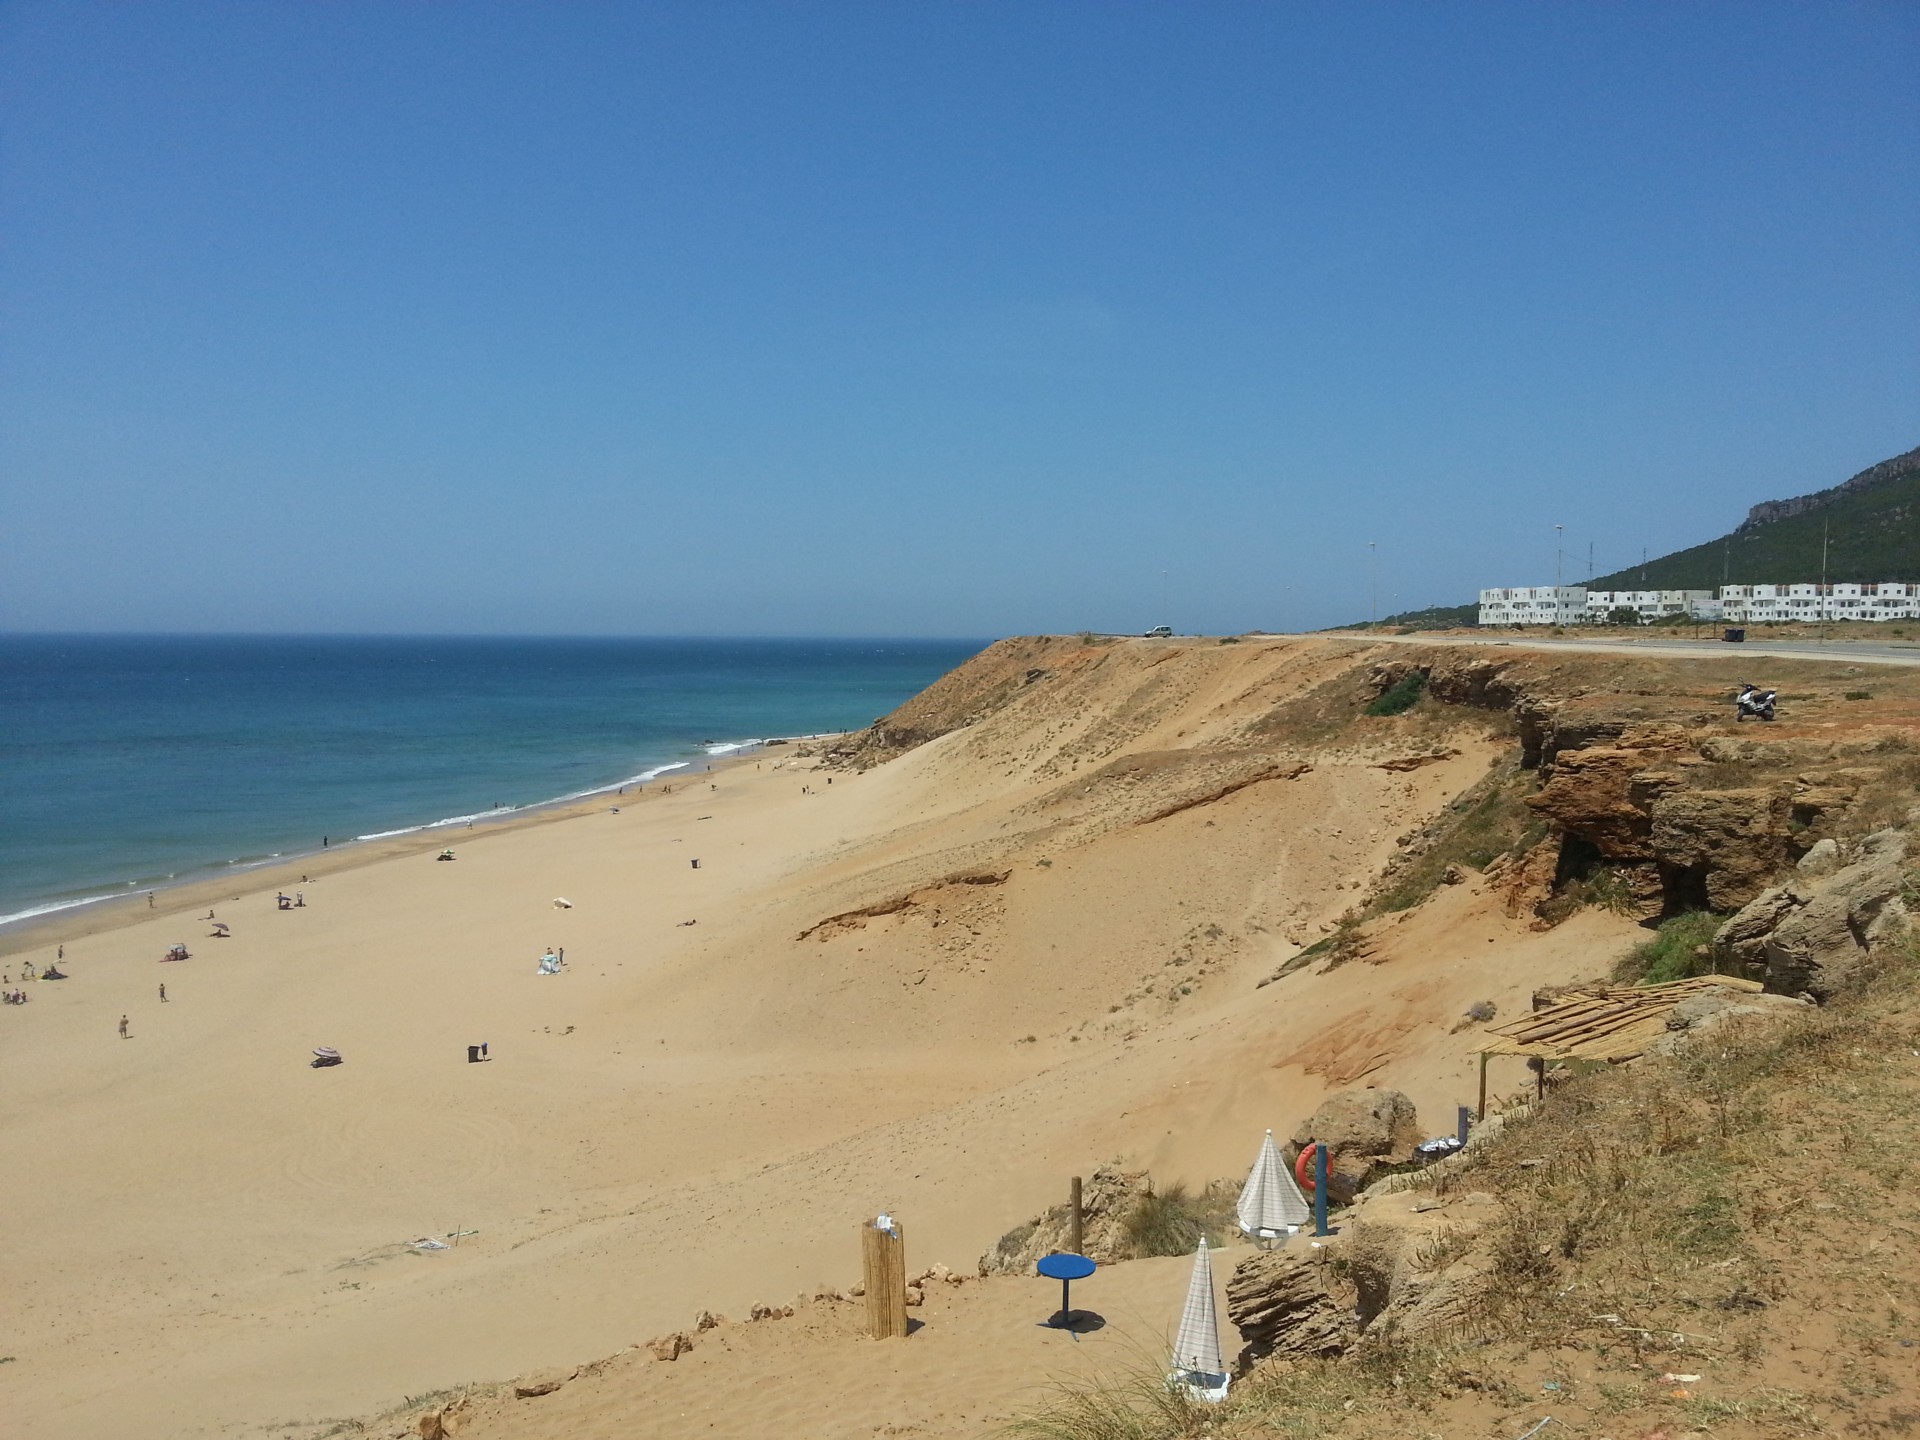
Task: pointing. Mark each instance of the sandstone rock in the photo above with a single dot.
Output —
(1591, 794)
(1280, 1305)
(1853, 912)
(707, 1320)
(1737, 839)
(432, 1426)
(856, 1290)
(1889, 843)
(1362, 1130)
(670, 1347)
(1110, 1192)
(545, 1382)
(1823, 859)
(770, 1312)
(1752, 921)
(1529, 884)
(915, 1296)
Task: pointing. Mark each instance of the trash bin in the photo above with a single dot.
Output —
(1733, 635)
(473, 1054)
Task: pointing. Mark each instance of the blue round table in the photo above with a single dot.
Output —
(1066, 1269)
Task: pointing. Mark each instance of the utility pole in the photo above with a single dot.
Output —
(1824, 525)
(1559, 534)
(1373, 564)
(1589, 562)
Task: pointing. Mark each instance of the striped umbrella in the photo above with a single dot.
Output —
(1196, 1347)
(1270, 1202)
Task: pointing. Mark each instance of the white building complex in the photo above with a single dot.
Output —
(1534, 605)
(1735, 604)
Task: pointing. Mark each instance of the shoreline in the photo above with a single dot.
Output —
(80, 919)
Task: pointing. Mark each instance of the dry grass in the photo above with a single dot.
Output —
(1171, 1221)
(1697, 1213)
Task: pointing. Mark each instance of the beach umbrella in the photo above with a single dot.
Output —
(1270, 1202)
(1196, 1348)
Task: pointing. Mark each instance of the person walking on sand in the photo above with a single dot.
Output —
(123, 1027)
(149, 899)
(163, 992)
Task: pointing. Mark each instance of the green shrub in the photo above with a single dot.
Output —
(1669, 955)
(1399, 697)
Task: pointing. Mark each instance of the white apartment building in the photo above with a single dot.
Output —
(1888, 600)
(1735, 604)
(1652, 604)
(1534, 605)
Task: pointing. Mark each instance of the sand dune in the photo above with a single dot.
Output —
(1068, 903)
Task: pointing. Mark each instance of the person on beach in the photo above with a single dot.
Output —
(61, 953)
(163, 992)
(123, 1027)
(149, 899)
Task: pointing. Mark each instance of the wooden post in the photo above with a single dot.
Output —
(883, 1268)
(1074, 1215)
(1483, 1086)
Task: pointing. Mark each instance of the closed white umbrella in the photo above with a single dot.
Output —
(1196, 1348)
(1270, 1203)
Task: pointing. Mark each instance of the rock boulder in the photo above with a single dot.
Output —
(1736, 839)
(1280, 1305)
(1363, 1131)
(544, 1382)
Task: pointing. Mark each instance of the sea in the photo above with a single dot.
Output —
(128, 763)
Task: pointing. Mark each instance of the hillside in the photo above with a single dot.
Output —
(1621, 1258)
(1084, 901)
(1871, 523)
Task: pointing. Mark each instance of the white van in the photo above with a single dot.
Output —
(1160, 632)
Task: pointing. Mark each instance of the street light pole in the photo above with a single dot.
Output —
(1373, 564)
(1558, 551)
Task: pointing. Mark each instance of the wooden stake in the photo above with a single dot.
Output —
(1074, 1217)
(1483, 1086)
(883, 1268)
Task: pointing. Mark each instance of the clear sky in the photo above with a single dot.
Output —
(926, 318)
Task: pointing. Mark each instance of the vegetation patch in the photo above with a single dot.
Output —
(1171, 1221)
(1401, 696)
(1488, 821)
(1682, 946)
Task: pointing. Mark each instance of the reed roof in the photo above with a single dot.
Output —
(1602, 1022)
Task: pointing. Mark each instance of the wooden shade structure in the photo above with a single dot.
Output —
(1598, 1023)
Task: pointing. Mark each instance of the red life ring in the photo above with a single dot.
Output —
(1303, 1167)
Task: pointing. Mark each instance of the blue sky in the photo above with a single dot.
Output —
(943, 319)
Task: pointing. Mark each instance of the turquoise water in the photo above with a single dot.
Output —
(130, 762)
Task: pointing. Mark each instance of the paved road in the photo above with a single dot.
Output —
(1851, 652)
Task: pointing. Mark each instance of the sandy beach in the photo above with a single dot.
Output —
(939, 987)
